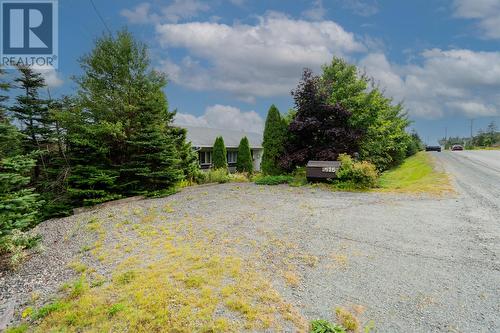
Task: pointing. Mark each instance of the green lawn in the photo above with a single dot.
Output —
(416, 175)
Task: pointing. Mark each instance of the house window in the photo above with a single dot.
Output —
(232, 156)
(205, 157)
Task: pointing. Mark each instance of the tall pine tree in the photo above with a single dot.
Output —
(274, 137)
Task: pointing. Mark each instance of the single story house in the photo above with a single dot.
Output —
(202, 139)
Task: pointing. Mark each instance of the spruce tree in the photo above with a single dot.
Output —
(30, 109)
(219, 154)
(274, 137)
(121, 138)
(244, 161)
(18, 203)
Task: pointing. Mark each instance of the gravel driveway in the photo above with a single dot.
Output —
(410, 264)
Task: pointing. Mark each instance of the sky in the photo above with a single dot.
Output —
(227, 61)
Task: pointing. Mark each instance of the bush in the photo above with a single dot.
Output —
(299, 177)
(356, 174)
(15, 245)
(323, 326)
(219, 154)
(18, 204)
(213, 176)
(244, 161)
(274, 180)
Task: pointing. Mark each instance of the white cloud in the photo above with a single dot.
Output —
(50, 75)
(174, 12)
(138, 15)
(181, 9)
(265, 59)
(487, 12)
(317, 12)
(361, 7)
(225, 117)
(447, 82)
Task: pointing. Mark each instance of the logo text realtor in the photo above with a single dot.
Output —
(29, 33)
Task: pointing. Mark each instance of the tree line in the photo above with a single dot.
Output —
(489, 137)
(114, 138)
(338, 112)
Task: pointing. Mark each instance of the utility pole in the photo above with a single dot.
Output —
(445, 133)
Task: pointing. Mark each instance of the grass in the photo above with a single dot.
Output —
(417, 174)
(176, 281)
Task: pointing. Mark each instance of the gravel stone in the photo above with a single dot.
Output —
(414, 263)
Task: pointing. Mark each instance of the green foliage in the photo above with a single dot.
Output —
(15, 244)
(274, 180)
(356, 174)
(414, 144)
(244, 161)
(47, 309)
(216, 176)
(119, 133)
(219, 154)
(383, 124)
(19, 205)
(30, 110)
(273, 141)
(323, 326)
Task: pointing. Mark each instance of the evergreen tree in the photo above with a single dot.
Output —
(120, 137)
(18, 204)
(219, 154)
(188, 156)
(31, 110)
(273, 141)
(244, 161)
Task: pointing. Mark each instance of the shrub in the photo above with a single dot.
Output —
(356, 174)
(323, 326)
(274, 180)
(213, 176)
(273, 141)
(299, 177)
(16, 244)
(219, 153)
(244, 161)
(239, 177)
(18, 203)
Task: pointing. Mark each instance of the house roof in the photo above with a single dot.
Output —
(205, 137)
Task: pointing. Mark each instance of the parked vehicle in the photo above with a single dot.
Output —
(457, 147)
(433, 148)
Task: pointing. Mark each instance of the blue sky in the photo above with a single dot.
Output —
(228, 60)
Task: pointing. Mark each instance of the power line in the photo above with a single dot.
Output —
(100, 17)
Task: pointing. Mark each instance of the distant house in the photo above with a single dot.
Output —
(202, 139)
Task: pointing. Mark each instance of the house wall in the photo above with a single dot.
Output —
(256, 153)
